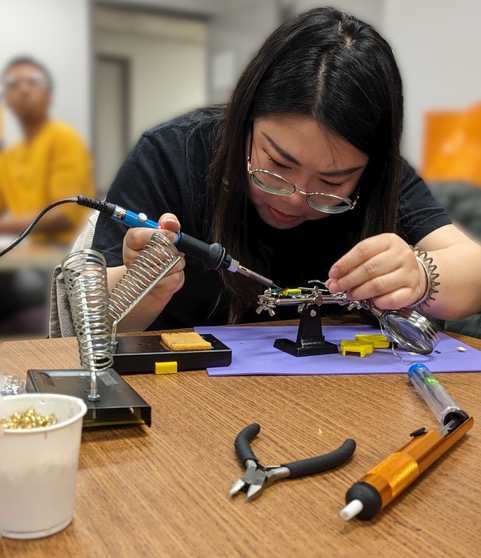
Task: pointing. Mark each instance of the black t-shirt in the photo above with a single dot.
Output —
(166, 172)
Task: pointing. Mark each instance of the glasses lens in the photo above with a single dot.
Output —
(35, 80)
(271, 183)
(329, 203)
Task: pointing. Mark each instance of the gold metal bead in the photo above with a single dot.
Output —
(27, 420)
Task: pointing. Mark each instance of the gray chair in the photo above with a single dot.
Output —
(462, 202)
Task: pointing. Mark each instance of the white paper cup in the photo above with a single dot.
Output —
(39, 466)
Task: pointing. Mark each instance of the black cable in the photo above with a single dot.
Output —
(27, 231)
(98, 205)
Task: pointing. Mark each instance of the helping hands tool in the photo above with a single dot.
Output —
(403, 326)
(381, 485)
(257, 477)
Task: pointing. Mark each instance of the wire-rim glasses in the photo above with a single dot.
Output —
(273, 183)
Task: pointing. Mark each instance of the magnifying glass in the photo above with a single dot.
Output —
(408, 328)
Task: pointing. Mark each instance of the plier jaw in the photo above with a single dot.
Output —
(257, 477)
(252, 482)
(255, 481)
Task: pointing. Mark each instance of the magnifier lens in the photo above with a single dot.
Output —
(411, 330)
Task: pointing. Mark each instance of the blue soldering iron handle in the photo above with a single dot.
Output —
(132, 219)
(119, 214)
(213, 256)
(433, 393)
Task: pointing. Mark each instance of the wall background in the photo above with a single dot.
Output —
(436, 43)
(167, 76)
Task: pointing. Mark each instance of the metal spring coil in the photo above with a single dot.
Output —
(154, 261)
(85, 276)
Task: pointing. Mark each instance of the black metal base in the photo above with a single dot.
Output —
(320, 348)
(118, 405)
(310, 340)
(138, 355)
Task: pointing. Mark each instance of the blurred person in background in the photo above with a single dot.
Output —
(50, 163)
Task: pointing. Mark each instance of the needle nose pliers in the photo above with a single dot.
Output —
(257, 477)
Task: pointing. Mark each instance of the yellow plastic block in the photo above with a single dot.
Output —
(362, 348)
(166, 367)
(379, 341)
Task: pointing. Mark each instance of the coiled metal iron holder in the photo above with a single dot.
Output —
(154, 261)
(110, 400)
(85, 277)
(403, 326)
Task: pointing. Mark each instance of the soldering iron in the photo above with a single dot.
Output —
(213, 256)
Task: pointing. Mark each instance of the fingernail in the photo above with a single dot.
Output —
(334, 273)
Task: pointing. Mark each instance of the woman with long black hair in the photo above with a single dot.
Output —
(299, 177)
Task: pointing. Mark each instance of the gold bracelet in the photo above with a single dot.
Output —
(431, 276)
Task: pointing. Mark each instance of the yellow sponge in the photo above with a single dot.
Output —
(185, 341)
(166, 367)
(361, 348)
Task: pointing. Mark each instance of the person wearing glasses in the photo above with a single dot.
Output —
(299, 177)
(51, 162)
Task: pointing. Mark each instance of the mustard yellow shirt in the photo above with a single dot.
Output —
(54, 165)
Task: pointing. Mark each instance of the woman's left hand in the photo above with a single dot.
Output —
(383, 268)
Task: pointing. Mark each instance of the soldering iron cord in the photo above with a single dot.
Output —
(98, 205)
(28, 230)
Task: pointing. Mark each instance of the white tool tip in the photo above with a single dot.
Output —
(351, 510)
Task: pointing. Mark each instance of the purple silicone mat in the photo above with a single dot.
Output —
(253, 353)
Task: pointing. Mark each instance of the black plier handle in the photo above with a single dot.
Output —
(255, 481)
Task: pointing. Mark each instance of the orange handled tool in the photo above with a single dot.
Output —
(381, 485)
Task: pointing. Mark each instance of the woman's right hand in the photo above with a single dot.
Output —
(153, 304)
(135, 240)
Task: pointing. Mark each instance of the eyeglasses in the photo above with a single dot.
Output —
(276, 184)
(36, 80)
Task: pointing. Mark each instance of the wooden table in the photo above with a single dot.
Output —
(164, 491)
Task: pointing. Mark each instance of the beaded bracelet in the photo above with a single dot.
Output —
(431, 276)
